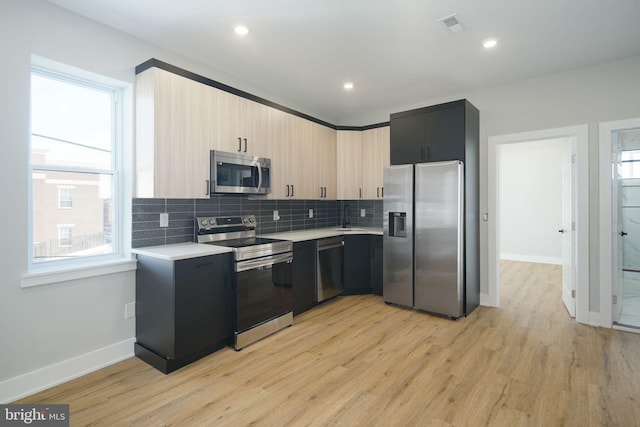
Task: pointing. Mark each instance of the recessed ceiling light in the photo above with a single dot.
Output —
(241, 30)
(348, 85)
(489, 43)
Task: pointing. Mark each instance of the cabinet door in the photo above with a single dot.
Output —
(225, 132)
(171, 135)
(280, 141)
(324, 163)
(375, 157)
(356, 264)
(376, 265)
(349, 165)
(444, 134)
(201, 289)
(304, 276)
(407, 140)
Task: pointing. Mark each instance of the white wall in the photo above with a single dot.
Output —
(530, 200)
(45, 325)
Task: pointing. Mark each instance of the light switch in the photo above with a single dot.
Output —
(310, 213)
(276, 215)
(363, 213)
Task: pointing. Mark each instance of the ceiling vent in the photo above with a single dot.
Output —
(452, 22)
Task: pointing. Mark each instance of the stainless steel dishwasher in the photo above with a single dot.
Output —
(330, 263)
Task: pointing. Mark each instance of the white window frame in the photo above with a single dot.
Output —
(120, 260)
(63, 228)
(65, 190)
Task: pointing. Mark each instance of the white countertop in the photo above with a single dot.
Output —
(319, 233)
(178, 251)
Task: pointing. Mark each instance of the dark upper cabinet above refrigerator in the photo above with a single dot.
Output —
(436, 133)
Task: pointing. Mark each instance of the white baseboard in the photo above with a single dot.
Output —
(58, 373)
(594, 319)
(487, 300)
(531, 258)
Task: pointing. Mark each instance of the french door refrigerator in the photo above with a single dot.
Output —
(423, 242)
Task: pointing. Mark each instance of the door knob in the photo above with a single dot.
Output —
(622, 233)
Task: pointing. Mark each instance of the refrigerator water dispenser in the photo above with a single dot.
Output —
(397, 224)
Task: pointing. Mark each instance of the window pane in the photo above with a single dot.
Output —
(71, 125)
(81, 229)
(630, 164)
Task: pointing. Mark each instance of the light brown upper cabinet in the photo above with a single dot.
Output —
(362, 157)
(323, 162)
(239, 125)
(349, 161)
(375, 157)
(303, 160)
(173, 133)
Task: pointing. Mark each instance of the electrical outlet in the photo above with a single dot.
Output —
(130, 310)
(310, 213)
(164, 219)
(363, 213)
(276, 215)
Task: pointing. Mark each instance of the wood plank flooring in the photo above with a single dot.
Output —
(355, 361)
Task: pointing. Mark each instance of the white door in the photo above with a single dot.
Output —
(567, 230)
(616, 214)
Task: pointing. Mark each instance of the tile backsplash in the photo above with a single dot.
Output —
(294, 215)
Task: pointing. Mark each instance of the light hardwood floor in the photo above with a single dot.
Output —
(355, 361)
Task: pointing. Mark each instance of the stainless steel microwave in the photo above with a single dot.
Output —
(236, 173)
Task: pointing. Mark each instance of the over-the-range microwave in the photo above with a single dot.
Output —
(237, 173)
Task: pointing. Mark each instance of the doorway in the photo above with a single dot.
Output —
(576, 269)
(536, 208)
(620, 223)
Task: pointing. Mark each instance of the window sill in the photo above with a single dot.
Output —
(79, 271)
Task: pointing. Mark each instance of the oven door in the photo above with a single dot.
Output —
(264, 290)
(233, 173)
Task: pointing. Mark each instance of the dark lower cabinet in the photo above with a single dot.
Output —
(181, 309)
(376, 264)
(357, 264)
(304, 275)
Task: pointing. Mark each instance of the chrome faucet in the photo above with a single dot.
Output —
(345, 216)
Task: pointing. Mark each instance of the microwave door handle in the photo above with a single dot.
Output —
(259, 177)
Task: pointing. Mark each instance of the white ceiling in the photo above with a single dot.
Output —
(396, 52)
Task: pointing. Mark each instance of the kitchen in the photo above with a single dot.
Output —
(48, 314)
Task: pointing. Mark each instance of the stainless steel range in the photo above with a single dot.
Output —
(262, 301)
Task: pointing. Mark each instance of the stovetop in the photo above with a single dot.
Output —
(245, 242)
(238, 233)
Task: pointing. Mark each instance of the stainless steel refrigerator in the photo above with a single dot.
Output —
(423, 243)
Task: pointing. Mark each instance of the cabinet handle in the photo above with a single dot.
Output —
(287, 190)
(239, 144)
(292, 189)
(208, 190)
(325, 192)
(378, 192)
(423, 154)
(245, 145)
(360, 192)
(204, 265)
(382, 191)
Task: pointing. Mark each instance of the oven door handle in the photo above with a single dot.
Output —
(264, 261)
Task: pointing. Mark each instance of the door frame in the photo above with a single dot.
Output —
(608, 272)
(579, 136)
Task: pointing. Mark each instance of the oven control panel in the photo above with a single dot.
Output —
(213, 223)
